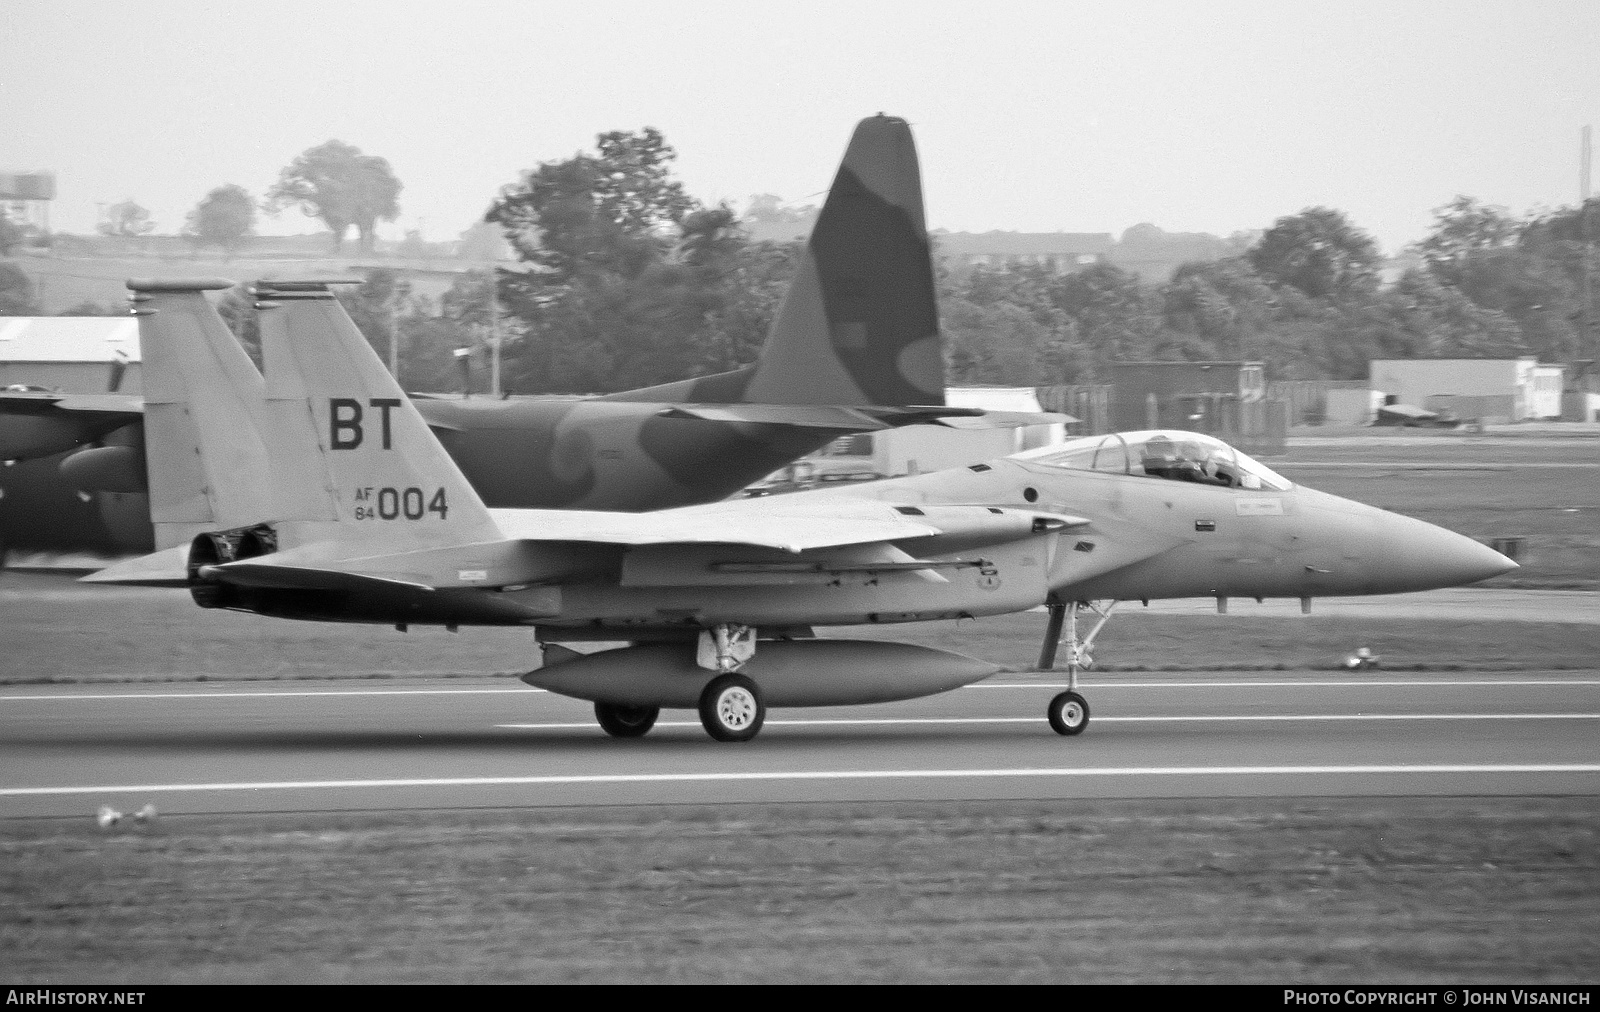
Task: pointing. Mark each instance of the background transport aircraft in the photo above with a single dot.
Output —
(855, 347)
(330, 499)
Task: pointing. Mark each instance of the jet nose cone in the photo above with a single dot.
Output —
(1421, 556)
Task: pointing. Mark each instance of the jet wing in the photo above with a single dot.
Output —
(793, 526)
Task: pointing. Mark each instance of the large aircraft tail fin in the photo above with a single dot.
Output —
(205, 459)
(859, 325)
(347, 434)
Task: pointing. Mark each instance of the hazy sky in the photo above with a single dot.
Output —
(1087, 117)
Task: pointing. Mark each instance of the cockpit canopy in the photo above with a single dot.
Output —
(1174, 455)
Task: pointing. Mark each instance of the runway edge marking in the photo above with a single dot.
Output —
(649, 778)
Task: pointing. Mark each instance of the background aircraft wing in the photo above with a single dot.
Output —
(863, 419)
(37, 424)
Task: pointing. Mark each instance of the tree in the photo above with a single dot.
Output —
(754, 290)
(90, 308)
(612, 211)
(632, 282)
(1462, 228)
(16, 292)
(484, 241)
(335, 182)
(1116, 316)
(222, 218)
(376, 305)
(1319, 252)
(1214, 310)
(237, 307)
(11, 236)
(126, 219)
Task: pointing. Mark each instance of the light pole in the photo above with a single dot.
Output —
(494, 335)
(464, 360)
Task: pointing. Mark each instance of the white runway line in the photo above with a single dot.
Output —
(1343, 684)
(528, 690)
(1217, 718)
(815, 775)
(275, 694)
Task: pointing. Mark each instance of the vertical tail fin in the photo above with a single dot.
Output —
(346, 432)
(207, 466)
(860, 323)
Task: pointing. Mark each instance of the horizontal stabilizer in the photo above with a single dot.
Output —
(167, 568)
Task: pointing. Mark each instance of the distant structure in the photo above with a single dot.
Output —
(70, 354)
(1223, 399)
(1154, 254)
(1066, 251)
(1489, 390)
(1150, 252)
(25, 198)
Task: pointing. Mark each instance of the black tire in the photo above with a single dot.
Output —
(620, 721)
(1068, 713)
(731, 708)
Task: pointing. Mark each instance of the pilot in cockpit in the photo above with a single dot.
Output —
(1188, 463)
(1158, 457)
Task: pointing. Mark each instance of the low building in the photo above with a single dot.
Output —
(1223, 399)
(70, 354)
(1351, 406)
(1489, 390)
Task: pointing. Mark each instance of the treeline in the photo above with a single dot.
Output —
(625, 281)
(1306, 299)
(628, 281)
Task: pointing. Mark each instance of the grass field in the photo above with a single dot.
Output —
(1446, 890)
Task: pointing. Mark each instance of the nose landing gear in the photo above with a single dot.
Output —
(1068, 711)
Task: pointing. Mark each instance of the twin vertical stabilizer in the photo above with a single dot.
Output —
(206, 462)
(351, 440)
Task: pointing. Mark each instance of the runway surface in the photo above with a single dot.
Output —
(66, 750)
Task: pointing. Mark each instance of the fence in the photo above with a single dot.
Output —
(1089, 403)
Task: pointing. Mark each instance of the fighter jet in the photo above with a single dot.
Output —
(855, 347)
(330, 499)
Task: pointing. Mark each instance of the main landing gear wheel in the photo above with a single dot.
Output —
(731, 708)
(621, 721)
(1069, 713)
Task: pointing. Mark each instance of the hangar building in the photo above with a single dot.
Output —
(70, 354)
(1491, 390)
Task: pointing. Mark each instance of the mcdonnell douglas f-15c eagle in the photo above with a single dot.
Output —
(329, 498)
(855, 348)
